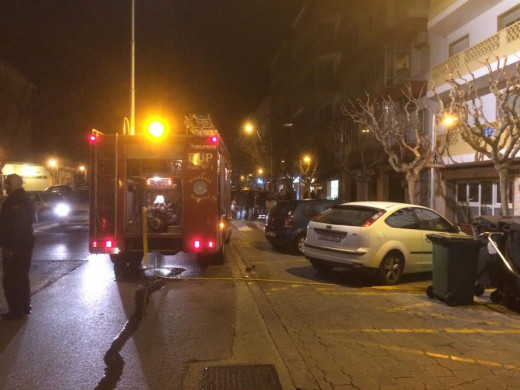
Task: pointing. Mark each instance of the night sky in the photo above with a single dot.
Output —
(192, 56)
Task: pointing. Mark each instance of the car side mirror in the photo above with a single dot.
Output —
(454, 229)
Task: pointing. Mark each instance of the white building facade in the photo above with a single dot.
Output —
(463, 35)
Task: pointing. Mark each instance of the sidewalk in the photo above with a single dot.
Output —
(349, 336)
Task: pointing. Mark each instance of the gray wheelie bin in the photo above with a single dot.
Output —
(489, 266)
(454, 267)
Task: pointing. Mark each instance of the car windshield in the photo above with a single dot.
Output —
(51, 196)
(347, 215)
(78, 196)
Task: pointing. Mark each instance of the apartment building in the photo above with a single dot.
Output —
(16, 103)
(305, 87)
(336, 52)
(462, 36)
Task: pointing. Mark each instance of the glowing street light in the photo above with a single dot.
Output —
(448, 121)
(53, 163)
(156, 129)
(307, 160)
(249, 129)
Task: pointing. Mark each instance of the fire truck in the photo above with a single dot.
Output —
(166, 195)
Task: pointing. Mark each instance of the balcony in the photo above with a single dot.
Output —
(505, 43)
(403, 12)
(447, 15)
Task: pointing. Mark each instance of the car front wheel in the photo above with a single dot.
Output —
(391, 269)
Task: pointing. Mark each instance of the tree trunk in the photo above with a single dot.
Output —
(362, 190)
(503, 174)
(411, 178)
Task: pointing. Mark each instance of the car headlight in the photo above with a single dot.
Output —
(62, 210)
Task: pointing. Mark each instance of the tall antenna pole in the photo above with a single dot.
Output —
(132, 73)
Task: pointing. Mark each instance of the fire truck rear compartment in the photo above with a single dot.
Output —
(153, 191)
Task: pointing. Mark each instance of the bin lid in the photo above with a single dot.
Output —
(444, 238)
(510, 223)
(487, 220)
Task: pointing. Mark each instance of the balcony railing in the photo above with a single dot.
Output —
(503, 43)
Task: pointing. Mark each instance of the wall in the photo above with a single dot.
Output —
(36, 177)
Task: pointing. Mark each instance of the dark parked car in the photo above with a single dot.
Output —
(286, 223)
(61, 188)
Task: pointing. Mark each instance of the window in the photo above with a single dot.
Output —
(461, 192)
(334, 189)
(320, 207)
(429, 220)
(324, 72)
(347, 215)
(486, 192)
(404, 219)
(479, 198)
(508, 18)
(459, 45)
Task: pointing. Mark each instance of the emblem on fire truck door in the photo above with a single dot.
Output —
(200, 187)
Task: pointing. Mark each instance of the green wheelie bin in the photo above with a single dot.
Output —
(454, 268)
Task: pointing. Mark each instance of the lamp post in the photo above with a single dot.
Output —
(83, 171)
(132, 70)
(53, 163)
(448, 121)
(249, 128)
(307, 160)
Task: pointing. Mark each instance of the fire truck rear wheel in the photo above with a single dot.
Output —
(126, 264)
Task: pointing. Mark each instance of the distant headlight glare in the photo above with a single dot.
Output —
(62, 210)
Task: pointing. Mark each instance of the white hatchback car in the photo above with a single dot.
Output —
(386, 237)
(44, 204)
(75, 208)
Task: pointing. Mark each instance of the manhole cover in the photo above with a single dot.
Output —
(254, 377)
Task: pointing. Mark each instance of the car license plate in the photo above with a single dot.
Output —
(329, 237)
(270, 234)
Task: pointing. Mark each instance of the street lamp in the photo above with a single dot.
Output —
(307, 160)
(249, 129)
(83, 171)
(53, 163)
(448, 121)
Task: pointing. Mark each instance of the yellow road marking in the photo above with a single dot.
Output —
(426, 330)
(438, 355)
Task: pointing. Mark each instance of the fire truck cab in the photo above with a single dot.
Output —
(161, 196)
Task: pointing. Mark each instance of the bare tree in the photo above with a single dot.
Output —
(252, 147)
(355, 153)
(398, 126)
(307, 173)
(499, 139)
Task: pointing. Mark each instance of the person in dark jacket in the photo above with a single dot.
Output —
(241, 201)
(17, 241)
